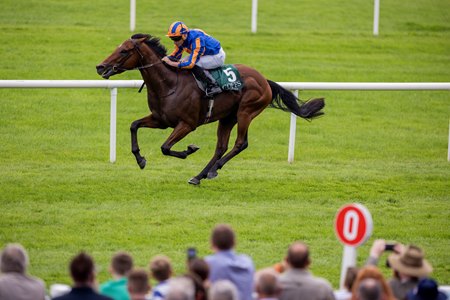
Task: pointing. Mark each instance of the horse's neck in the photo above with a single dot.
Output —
(158, 77)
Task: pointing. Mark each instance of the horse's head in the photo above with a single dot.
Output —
(127, 56)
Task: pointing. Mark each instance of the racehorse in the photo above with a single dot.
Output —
(176, 101)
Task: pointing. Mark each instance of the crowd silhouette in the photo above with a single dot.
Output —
(226, 275)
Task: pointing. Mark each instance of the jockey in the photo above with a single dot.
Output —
(205, 53)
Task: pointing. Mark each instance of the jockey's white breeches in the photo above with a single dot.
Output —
(212, 61)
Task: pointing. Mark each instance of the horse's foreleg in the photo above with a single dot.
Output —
(149, 122)
(223, 137)
(179, 132)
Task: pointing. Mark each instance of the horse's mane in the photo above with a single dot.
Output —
(152, 42)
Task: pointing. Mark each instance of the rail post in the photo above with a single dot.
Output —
(112, 126)
(292, 130)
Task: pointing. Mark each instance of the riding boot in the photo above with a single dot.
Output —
(212, 87)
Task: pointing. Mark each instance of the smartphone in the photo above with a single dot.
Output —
(389, 247)
(191, 253)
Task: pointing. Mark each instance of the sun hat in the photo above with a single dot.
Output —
(427, 289)
(410, 262)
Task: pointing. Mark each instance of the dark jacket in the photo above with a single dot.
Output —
(82, 293)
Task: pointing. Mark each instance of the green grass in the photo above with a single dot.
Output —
(387, 150)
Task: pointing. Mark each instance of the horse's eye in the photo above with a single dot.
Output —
(123, 52)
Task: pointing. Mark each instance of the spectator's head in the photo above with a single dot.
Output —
(410, 262)
(223, 237)
(121, 264)
(267, 284)
(427, 289)
(14, 258)
(372, 272)
(369, 289)
(350, 277)
(161, 268)
(82, 269)
(180, 288)
(199, 267)
(298, 256)
(223, 290)
(138, 284)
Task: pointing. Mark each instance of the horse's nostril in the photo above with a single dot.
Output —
(100, 69)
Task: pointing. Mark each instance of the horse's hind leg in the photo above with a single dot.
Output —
(179, 132)
(240, 145)
(149, 122)
(223, 137)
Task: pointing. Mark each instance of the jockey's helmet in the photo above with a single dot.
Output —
(177, 29)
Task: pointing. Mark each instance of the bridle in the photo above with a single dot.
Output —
(116, 67)
(136, 47)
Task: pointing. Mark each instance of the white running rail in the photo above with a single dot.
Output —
(113, 85)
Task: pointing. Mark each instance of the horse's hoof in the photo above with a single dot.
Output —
(192, 148)
(194, 181)
(142, 163)
(212, 174)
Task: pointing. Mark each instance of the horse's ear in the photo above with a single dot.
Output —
(140, 37)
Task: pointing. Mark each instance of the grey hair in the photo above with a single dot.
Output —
(369, 289)
(14, 258)
(180, 288)
(223, 290)
(267, 282)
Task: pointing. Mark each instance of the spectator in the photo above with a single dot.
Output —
(226, 264)
(14, 281)
(200, 268)
(369, 289)
(372, 272)
(138, 285)
(297, 282)
(267, 284)
(180, 288)
(161, 271)
(346, 292)
(407, 263)
(116, 288)
(199, 289)
(427, 289)
(83, 274)
(223, 290)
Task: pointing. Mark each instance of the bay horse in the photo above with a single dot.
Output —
(176, 101)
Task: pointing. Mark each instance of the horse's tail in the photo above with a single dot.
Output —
(285, 100)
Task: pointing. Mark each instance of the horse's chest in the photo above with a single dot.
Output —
(166, 117)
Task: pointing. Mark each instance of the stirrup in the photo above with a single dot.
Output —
(212, 90)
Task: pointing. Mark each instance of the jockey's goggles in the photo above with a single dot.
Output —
(175, 38)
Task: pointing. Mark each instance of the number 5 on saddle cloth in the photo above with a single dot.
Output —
(226, 76)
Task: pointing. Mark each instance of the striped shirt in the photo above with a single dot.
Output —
(197, 43)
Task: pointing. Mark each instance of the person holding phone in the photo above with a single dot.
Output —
(408, 265)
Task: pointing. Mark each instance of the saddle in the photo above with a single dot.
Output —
(226, 76)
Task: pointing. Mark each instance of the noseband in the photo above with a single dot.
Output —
(136, 47)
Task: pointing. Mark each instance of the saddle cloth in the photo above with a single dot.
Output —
(226, 76)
